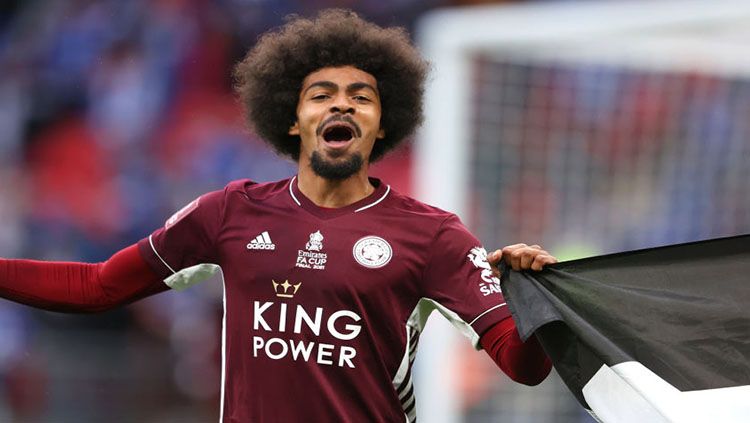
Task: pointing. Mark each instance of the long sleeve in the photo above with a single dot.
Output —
(79, 287)
(524, 362)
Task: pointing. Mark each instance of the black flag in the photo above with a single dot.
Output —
(661, 334)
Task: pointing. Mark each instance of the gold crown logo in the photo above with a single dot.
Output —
(286, 285)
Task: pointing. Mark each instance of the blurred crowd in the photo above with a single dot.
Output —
(600, 158)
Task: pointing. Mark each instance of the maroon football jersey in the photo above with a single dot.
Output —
(323, 307)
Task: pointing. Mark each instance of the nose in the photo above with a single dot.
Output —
(342, 105)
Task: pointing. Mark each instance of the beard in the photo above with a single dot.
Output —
(336, 170)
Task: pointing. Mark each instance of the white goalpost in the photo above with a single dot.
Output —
(588, 127)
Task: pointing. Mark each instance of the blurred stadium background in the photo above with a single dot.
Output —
(589, 127)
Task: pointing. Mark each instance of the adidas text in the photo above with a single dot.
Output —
(262, 242)
(252, 246)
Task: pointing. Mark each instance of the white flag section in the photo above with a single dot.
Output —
(629, 392)
(656, 335)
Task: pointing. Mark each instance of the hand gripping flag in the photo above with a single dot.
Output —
(656, 335)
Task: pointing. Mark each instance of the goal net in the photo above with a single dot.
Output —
(587, 127)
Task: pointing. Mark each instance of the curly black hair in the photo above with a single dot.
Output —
(269, 78)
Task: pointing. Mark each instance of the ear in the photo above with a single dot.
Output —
(294, 129)
(381, 134)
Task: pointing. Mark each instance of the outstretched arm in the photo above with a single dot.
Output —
(79, 287)
(524, 362)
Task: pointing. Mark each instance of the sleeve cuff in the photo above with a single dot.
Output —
(489, 317)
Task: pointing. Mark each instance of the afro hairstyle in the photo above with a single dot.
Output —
(269, 79)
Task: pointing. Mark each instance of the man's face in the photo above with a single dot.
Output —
(338, 120)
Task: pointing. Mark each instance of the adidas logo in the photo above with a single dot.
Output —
(261, 242)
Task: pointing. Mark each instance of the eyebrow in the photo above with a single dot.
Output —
(361, 85)
(355, 86)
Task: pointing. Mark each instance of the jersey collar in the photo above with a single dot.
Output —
(376, 197)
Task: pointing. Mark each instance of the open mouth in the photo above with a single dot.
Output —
(338, 133)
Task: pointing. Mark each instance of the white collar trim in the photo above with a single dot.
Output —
(374, 203)
(291, 191)
(387, 190)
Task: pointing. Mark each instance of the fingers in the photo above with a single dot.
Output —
(494, 259)
(515, 254)
(542, 260)
(523, 257)
(495, 256)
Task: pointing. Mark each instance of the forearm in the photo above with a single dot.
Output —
(524, 362)
(79, 287)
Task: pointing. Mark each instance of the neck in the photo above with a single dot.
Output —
(333, 193)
